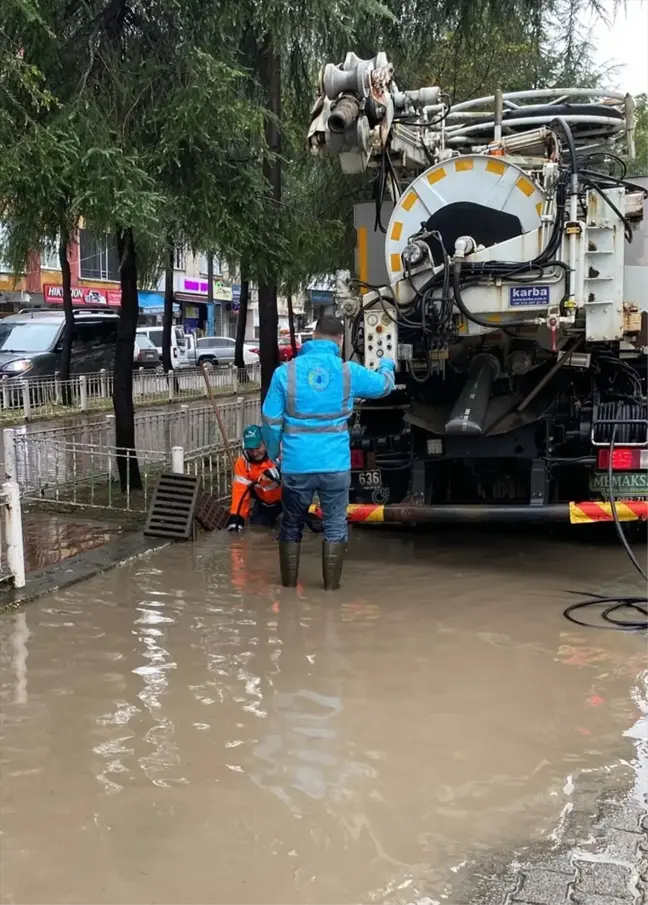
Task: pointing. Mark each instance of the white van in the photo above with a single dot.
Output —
(179, 357)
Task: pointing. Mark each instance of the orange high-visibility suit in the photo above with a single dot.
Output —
(260, 480)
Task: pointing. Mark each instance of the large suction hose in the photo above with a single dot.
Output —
(468, 414)
(344, 114)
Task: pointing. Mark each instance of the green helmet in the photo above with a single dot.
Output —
(252, 437)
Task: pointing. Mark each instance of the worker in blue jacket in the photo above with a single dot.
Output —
(307, 412)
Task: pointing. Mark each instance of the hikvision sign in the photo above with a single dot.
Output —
(81, 295)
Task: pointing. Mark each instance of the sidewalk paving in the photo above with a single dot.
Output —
(597, 856)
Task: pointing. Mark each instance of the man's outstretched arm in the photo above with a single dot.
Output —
(273, 411)
(366, 384)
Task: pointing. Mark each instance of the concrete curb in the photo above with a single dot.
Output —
(79, 568)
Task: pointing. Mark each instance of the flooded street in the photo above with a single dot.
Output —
(181, 729)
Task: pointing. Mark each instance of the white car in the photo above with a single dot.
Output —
(220, 350)
(179, 357)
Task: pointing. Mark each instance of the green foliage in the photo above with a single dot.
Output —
(150, 130)
(151, 116)
(639, 166)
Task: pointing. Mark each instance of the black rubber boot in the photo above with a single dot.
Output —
(289, 563)
(332, 563)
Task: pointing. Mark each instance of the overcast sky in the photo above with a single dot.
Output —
(625, 43)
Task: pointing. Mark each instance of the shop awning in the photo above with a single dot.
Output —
(191, 298)
(153, 303)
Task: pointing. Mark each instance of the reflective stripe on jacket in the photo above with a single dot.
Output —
(309, 404)
(246, 474)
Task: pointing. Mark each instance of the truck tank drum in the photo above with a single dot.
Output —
(482, 196)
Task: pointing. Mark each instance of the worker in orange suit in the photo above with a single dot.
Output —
(256, 485)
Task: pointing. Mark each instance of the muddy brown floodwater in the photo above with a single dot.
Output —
(183, 730)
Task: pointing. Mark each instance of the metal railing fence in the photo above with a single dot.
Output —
(79, 465)
(43, 397)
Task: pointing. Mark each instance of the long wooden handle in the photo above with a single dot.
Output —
(226, 443)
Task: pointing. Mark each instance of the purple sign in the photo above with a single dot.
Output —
(195, 286)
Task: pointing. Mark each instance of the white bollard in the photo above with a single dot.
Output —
(5, 392)
(9, 444)
(184, 421)
(58, 394)
(14, 533)
(103, 383)
(26, 399)
(170, 385)
(83, 392)
(177, 460)
(240, 415)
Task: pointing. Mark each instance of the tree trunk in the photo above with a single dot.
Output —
(270, 78)
(241, 326)
(211, 311)
(129, 473)
(291, 324)
(167, 318)
(68, 333)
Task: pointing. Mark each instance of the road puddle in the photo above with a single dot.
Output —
(183, 730)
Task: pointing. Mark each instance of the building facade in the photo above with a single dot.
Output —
(94, 270)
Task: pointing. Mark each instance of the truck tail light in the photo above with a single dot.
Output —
(357, 458)
(624, 458)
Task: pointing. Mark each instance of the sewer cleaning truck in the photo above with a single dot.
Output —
(503, 266)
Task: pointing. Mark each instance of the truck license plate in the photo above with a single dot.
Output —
(624, 484)
(370, 479)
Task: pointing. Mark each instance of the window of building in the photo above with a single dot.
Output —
(98, 258)
(218, 268)
(50, 256)
(179, 258)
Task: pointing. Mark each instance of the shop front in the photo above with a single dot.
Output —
(196, 316)
(151, 309)
(83, 296)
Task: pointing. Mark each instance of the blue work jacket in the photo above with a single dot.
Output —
(309, 404)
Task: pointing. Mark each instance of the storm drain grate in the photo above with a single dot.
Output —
(173, 507)
(211, 513)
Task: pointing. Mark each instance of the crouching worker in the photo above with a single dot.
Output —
(256, 485)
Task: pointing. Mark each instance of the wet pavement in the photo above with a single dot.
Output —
(181, 729)
(51, 538)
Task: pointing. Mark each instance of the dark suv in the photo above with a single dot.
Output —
(31, 343)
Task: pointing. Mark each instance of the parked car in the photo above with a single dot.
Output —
(303, 337)
(220, 350)
(179, 345)
(145, 355)
(285, 348)
(31, 343)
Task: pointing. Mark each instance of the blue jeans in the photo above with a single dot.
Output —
(297, 495)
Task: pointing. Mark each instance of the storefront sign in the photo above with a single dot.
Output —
(222, 293)
(94, 298)
(192, 311)
(236, 297)
(321, 297)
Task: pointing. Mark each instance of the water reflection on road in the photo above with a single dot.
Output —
(182, 729)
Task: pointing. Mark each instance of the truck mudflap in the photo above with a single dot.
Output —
(576, 513)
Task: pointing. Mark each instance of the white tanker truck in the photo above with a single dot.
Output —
(504, 267)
